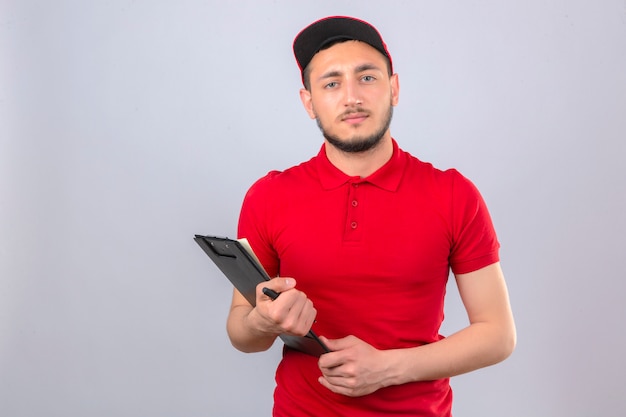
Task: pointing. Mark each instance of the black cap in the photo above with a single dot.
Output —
(314, 37)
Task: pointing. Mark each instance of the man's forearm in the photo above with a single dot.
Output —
(477, 346)
(489, 339)
(243, 334)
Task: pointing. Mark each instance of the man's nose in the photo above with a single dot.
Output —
(352, 92)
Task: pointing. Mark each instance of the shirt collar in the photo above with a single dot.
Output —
(386, 177)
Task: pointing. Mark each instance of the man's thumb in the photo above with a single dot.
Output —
(282, 284)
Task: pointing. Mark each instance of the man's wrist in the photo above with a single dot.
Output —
(257, 326)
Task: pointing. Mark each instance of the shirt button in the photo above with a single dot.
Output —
(353, 225)
(355, 203)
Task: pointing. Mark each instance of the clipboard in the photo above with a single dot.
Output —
(239, 264)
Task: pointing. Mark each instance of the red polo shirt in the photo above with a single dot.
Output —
(373, 254)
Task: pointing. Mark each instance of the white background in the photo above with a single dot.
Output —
(128, 126)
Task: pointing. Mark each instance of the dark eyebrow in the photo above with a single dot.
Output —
(329, 74)
(360, 68)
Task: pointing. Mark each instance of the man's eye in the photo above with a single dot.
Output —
(368, 78)
(331, 84)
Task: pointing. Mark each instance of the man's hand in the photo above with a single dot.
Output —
(353, 368)
(292, 312)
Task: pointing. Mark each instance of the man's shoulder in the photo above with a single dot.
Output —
(448, 182)
(279, 179)
(428, 169)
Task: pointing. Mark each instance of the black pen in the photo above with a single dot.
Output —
(274, 295)
(270, 293)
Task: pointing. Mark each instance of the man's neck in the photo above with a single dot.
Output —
(361, 164)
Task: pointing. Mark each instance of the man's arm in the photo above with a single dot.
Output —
(254, 329)
(356, 368)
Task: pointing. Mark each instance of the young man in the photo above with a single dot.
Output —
(361, 239)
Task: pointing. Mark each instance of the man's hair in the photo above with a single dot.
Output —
(306, 72)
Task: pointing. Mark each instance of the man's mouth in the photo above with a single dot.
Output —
(355, 117)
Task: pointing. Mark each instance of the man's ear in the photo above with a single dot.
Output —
(395, 89)
(305, 96)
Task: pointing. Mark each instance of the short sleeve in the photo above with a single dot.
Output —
(254, 219)
(475, 244)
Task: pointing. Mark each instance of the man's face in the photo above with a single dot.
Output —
(351, 95)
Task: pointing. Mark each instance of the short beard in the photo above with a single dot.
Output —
(358, 144)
